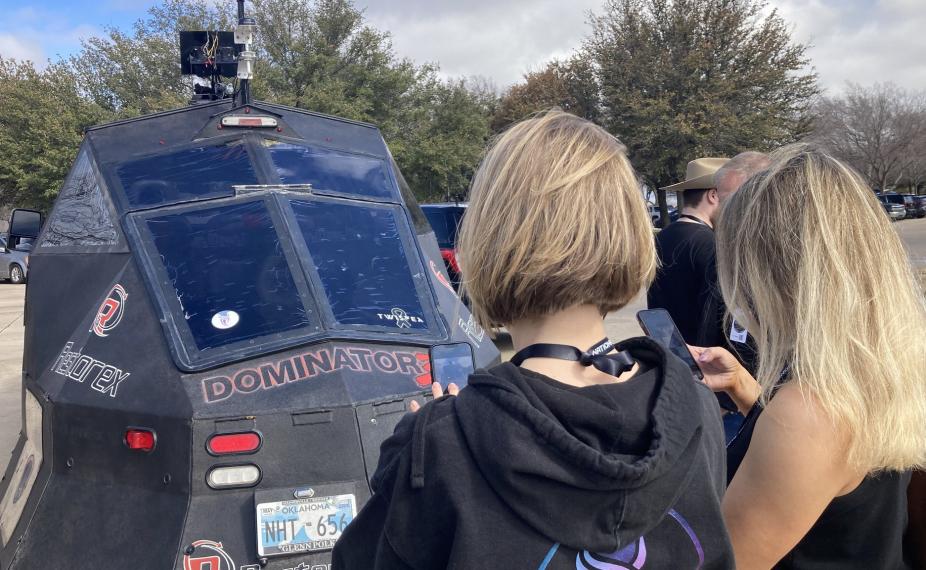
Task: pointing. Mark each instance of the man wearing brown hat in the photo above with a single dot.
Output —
(685, 284)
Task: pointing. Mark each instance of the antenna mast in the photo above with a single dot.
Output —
(244, 35)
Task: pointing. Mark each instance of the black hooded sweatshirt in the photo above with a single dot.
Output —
(521, 471)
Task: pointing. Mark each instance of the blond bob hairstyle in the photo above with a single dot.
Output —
(809, 262)
(555, 219)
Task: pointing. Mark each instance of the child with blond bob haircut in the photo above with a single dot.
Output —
(579, 453)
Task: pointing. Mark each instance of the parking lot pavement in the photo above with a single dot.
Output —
(620, 325)
(11, 359)
(913, 234)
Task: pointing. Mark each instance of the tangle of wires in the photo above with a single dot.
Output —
(210, 48)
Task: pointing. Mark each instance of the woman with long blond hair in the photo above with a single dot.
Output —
(808, 261)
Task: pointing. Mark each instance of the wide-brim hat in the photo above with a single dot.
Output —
(699, 175)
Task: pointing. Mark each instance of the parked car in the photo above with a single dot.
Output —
(14, 263)
(894, 209)
(895, 198)
(655, 216)
(445, 220)
(909, 203)
(919, 203)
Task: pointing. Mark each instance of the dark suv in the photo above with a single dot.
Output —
(919, 205)
(445, 220)
(909, 203)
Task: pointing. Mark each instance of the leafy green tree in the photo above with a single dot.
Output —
(681, 79)
(444, 140)
(41, 128)
(138, 72)
(570, 85)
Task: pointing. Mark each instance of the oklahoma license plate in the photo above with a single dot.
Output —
(303, 525)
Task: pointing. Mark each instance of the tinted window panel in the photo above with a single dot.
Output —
(438, 221)
(81, 216)
(330, 170)
(360, 258)
(229, 273)
(190, 174)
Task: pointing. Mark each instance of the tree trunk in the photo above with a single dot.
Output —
(663, 208)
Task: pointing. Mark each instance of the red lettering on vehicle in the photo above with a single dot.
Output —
(300, 367)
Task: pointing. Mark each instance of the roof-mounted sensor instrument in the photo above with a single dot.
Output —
(214, 55)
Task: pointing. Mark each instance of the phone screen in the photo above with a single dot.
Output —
(659, 326)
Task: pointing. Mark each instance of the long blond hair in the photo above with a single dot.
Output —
(809, 262)
(555, 219)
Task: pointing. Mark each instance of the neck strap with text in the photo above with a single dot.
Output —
(597, 356)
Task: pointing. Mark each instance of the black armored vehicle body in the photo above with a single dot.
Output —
(228, 309)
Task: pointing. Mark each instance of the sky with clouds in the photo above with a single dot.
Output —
(858, 40)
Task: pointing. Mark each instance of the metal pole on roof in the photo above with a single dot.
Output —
(244, 35)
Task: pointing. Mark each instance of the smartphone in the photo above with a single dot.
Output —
(659, 326)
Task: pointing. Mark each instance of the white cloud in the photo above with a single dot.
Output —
(862, 41)
(856, 40)
(20, 48)
(497, 40)
(36, 34)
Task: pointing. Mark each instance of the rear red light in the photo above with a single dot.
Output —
(233, 443)
(140, 439)
(450, 258)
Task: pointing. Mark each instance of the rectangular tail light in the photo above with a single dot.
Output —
(233, 476)
(233, 443)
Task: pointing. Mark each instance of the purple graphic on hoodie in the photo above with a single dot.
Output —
(633, 556)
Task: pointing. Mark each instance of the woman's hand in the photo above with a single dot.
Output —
(437, 391)
(724, 373)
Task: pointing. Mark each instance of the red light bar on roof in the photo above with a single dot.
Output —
(238, 121)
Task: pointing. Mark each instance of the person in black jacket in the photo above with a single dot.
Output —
(579, 453)
(686, 283)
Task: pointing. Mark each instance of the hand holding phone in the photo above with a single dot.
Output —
(724, 373)
(659, 326)
(719, 368)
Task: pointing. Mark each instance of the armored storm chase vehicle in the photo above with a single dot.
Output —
(228, 309)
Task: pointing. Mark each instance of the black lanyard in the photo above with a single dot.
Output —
(597, 356)
(696, 219)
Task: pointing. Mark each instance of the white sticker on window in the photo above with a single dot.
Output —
(225, 319)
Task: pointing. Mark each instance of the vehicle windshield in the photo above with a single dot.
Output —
(329, 170)
(265, 271)
(229, 273)
(361, 261)
(186, 174)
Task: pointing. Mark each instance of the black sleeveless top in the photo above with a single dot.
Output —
(861, 530)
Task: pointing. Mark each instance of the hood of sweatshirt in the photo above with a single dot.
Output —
(574, 492)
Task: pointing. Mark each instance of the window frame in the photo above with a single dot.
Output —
(423, 291)
(391, 181)
(105, 186)
(187, 355)
(322, 323)
(114, 181)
